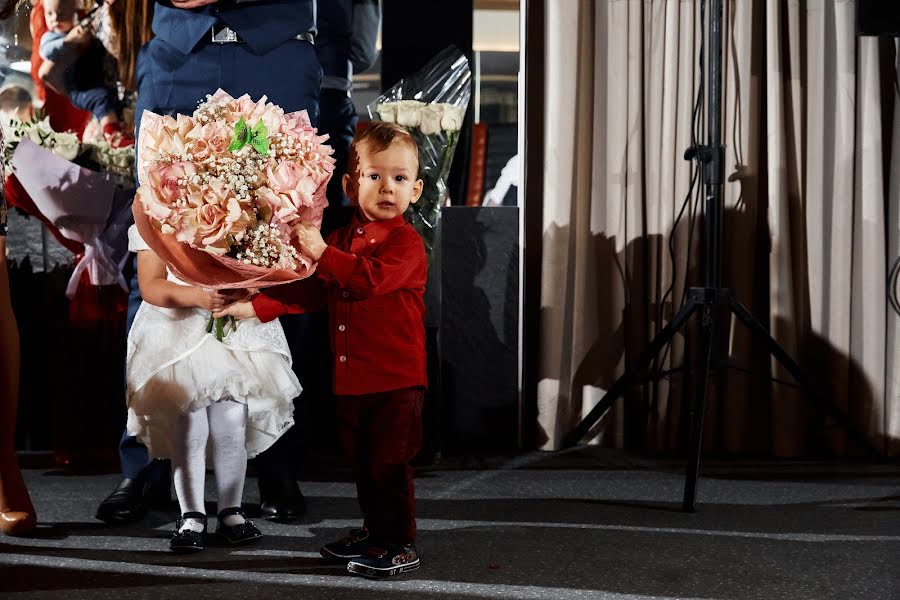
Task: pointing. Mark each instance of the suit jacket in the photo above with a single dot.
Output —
(262, 25)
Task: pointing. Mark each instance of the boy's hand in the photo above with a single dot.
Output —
(309, 238)
(239, 310)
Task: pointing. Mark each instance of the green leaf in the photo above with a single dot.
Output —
(259, 138)
(241, 136)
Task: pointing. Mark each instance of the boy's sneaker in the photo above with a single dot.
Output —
(378, 563)
(350, 546)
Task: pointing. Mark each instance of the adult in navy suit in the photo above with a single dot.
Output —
(345, 44)
(242, 46)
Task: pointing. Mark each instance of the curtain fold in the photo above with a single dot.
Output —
(811, 223)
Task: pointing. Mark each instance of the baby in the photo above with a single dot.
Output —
(74, 47)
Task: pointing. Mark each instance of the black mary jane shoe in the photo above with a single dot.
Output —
(242, 533)
(188, 541)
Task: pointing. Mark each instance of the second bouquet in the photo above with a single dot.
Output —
(221, 188)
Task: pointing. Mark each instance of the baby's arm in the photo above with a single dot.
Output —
(157, 290)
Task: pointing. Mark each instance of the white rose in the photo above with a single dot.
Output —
(67, 147)
(453, 117)
(408, 112)
(43, 126)
(430, 118)
(387, 111)
(35, 136)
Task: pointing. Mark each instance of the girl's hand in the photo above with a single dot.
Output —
(309, 238)
(211, 300)
(191, 3)
(239, 310)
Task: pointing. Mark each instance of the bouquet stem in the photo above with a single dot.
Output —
(219, 324)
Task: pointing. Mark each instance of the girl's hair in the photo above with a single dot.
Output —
(131, 21)
(377, 136)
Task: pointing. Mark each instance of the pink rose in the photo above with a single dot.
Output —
(286, 204)
(200, 150)
(285, 176)
(313, 213)
(217, 137)
(221, 95)
(218, 218)
(268, 113)
(153, 207)
(243, 106)
(169, 180)
(296, 124)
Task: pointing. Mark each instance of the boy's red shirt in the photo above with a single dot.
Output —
(372, 278)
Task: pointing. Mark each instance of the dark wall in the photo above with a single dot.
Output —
(480, 329)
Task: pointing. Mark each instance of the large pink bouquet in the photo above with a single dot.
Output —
(221, 188)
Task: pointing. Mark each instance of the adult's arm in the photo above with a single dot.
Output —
(59, 54)
(365, 20)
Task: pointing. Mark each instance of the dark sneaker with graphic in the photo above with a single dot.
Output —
(378, 563)
(349, 546)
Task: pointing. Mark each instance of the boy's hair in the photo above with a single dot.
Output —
(378, 135)
(13, 98)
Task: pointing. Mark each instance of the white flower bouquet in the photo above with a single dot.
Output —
(432, 105)
(37, 130)
(94, 156)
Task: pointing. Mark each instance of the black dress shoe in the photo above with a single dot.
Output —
(188, 541)
(242, 533)
(281, 499)
(130, 500)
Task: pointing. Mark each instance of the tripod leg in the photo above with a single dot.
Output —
(812, 388)
(695, 440)
(631, 374)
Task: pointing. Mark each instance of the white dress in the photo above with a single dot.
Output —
(173, 366)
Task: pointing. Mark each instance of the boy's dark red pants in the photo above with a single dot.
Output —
(380, 434)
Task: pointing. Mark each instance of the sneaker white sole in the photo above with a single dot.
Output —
(380, 573)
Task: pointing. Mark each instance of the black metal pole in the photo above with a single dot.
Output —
(713, 160)
(714, 168)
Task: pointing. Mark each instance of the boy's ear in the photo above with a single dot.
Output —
(417, 191)
(349, 188)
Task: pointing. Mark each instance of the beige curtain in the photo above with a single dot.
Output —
(811, 222)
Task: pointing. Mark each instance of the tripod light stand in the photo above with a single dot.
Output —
(711, 300)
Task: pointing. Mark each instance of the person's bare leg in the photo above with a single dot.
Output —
(17, 514)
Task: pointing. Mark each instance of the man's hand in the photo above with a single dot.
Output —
(191, 3)
(309, 238)
(238, 310)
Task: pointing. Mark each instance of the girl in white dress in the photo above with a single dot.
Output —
(188, 391)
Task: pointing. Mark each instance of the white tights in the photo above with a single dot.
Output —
(225, 422)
